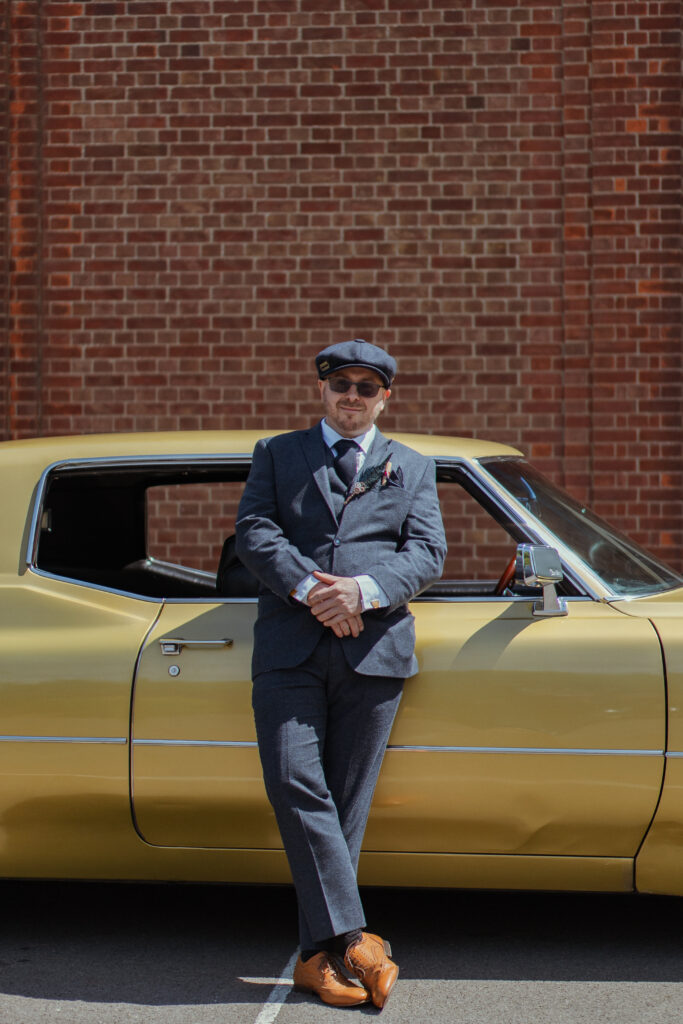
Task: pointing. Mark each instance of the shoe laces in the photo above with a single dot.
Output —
(331, 968)
(364, 960)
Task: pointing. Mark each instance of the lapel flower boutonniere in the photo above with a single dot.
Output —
(368, 478)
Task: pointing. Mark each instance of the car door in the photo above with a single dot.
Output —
(519, 736)
(196, 774)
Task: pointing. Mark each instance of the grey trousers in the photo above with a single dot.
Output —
(322, 731)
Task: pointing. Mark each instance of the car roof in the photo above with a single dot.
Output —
(43, 451)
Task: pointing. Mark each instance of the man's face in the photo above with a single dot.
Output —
(350, 414)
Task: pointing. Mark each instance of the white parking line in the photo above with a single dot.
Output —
(281, 989)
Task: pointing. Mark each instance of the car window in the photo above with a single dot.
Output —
(156, 531)
(479, 547)
(482, 533)
(187, 523)
(165, 530)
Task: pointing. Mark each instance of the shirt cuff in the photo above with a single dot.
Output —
(371, 594)
(301, 592)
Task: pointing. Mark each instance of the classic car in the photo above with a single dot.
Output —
(540, 745)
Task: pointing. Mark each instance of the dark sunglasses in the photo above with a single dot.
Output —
(365, 388)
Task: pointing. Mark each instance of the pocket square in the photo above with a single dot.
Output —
(393, 476)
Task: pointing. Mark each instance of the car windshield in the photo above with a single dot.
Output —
(624, 567)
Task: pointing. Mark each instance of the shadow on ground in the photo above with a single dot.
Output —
(193, 944)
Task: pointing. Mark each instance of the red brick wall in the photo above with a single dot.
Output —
(4, 217)
(204, 193)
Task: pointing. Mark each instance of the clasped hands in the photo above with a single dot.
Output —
(336, 603)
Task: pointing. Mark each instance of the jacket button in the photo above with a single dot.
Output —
(337, 542)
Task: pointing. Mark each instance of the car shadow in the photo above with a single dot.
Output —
(181, 944)
(533, 936)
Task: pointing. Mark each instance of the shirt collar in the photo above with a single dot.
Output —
(364, 441)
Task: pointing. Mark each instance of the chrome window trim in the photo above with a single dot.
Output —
(423, 598)
(96, 586)
(141, 597)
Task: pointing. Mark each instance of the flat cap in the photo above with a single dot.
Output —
(356, 353)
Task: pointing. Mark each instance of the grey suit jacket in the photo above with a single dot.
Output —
(287, 528)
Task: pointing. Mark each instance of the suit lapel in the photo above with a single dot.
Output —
(315, 452)
(378, 450)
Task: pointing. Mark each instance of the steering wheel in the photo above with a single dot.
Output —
(507, 577)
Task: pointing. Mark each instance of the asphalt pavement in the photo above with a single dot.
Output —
(186, 954)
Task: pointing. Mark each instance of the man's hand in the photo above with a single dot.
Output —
(335, 601)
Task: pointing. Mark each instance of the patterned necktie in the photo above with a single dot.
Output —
(345, 461)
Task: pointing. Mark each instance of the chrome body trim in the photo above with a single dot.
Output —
(208, 600)
(117, 740)
(195, 743)
(580, 751)
(425, 597)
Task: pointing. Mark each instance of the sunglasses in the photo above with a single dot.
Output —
(364, 388)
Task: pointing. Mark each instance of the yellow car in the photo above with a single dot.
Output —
(540, 745)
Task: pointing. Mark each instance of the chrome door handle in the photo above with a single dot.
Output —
(175, 646)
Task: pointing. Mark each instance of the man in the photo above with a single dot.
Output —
(342, 528)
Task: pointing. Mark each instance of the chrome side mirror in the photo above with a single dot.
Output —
(539, 566)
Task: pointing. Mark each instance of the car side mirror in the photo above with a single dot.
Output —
(540, 566)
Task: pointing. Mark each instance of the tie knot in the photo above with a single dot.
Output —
(345, 460)
(344, 446)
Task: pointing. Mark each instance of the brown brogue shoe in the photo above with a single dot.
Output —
(319, 974)
(369, 960)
